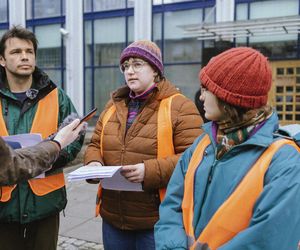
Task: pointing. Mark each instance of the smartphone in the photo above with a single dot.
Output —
(87, 117)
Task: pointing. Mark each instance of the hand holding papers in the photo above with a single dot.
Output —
(24, 140)
(112, 178)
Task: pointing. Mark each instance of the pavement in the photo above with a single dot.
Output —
(79, 228)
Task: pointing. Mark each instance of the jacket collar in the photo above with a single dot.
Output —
(41, 82)
(163, 90)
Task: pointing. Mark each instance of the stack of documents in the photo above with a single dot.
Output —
(91, 172)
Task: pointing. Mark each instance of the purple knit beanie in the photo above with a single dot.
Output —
(145, 50)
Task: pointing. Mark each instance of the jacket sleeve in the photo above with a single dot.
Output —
(169, 231)
(186, 128)
(275, 223)
(69, 153)
(23, 164)
(93, 150)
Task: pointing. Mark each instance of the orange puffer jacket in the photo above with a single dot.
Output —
(139, 210)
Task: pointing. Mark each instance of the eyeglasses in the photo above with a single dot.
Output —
(136, 66)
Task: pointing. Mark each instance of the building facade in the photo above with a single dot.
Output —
(188, 33)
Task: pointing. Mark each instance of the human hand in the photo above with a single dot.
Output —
(94, 180)
(68, 134)
(134, 173)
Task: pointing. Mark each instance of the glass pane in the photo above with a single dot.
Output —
(280, 117)
(185, 77)
(3, 11)
(87, 6)
(209, 15)
(156, 2)
(297, 117)
(108, 44)
(28, 9)
(280, 71)
(178, 47)
(242, 11)
(130, 29)
(298, 71)
(130, 3)
(279, 89)
(275, 47)
(289, 117)
(2, 32)
(55, 76)
(274, 8)
(297, 79)
(88, 90)
(46, 8)
(88, 43)
(289, 89)
(297, 107)
(289, 98)
(290, 71)
(63, 11)
(297, 89)
(106, 81)
(289, 107)
(279, 98)
(157, 29)
(49, 47)
(279, 107)
(100, 5)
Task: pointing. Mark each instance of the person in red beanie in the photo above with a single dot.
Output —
(134, 131)
(237, 187)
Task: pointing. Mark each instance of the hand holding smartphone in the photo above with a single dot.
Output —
(87, 117)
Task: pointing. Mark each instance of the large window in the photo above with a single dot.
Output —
(104, 41)
(51, 51)
(182, 54)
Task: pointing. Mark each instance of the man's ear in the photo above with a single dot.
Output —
(2, 61)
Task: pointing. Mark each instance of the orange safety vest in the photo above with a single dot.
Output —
(165, 145)
(45, 122)
(235, 213)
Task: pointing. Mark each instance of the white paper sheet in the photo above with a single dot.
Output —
(119, 182)
(110, 175)
(26, 140)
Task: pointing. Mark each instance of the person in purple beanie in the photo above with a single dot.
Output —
(130, 136)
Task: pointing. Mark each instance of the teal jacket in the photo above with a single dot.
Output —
(24, 206)
(275, 223)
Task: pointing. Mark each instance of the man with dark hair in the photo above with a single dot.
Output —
(31, 103)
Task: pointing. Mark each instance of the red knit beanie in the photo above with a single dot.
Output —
(239, 76)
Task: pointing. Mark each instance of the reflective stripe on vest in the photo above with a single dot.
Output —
(235, 213)
(45, 122)
(164, 134)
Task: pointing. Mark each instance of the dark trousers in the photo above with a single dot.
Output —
(117, 239)
(37, 235)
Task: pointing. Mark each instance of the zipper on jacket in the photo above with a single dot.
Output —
(210, 177)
